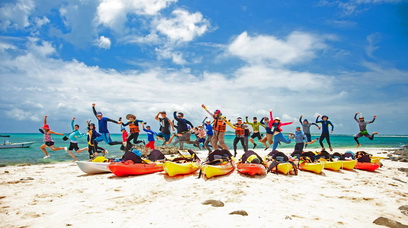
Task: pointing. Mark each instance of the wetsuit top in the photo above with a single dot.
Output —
(255, 126)
(306, 126)
(363, 125)
(150, 135)
(75, 134)
(325, 125)
(267, 128)
(208, 128)
(276, 126)
(300, 137)
(103, 122)
(164, 126)
(182, 124)
(133, 125)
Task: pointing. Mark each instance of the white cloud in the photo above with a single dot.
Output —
(113, 13)
(16, 15)
(355, 6)
(372, 41)
(297, 47)
(183, 27)
(103, 42)
(41, 21)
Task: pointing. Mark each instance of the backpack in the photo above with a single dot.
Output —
(308, 157)
(218, 157)
(325, 155)
(132, 156)
(296, 154)
(256, 159)
(156, 155)
(277, 158)
(348, 155)
(186, 156)
(338, 156)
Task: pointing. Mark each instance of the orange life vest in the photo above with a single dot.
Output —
(134, 128)
(220, 125)
(239, 130)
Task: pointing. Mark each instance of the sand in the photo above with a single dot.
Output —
(59, 195)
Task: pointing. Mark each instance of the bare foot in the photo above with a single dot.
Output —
(374, 133)
(358, 145)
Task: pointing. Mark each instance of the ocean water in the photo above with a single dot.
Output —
(34, 155)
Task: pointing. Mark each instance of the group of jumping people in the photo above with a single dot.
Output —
(210, 134)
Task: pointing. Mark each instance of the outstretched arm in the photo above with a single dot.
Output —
(157, 116)
(372, 121)
(283, 124)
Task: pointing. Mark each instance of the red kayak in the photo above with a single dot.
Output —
(251, 169)
(367, 166)
(126, 169)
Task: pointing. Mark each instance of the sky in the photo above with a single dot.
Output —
(243, 57)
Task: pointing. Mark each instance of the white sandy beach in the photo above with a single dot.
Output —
(59, 195)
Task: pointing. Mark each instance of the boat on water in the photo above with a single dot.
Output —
(8, 145)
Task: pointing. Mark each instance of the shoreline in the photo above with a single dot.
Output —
(59, 194)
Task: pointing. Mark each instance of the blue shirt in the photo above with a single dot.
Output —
(150, 135)
(75, 134)
(299, 137)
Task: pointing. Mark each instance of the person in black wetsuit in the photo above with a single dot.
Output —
(325, 131)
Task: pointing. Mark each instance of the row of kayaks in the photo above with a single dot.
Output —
(171, 168)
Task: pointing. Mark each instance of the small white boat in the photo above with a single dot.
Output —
(8, 144)
(93, 167)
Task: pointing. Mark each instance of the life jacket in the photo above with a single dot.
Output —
(239, 131)
(186, 155)
(219, 156)
(220, 125)
(307, 156)
(134, 127)
(362, 156)
(277, 158)
(296, 154)
(348, 155)
(156, 155)
(325, 155)
(251, 157)
(338, 156)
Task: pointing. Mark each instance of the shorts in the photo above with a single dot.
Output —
(104, 137)
(73, 146)
(150, 145)
(49, 143)
(256, 135)
(165, 136)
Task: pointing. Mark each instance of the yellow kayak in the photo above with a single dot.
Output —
(376, 160)
(349, 164)
(285, 168)
(312, 167)
(174, 168)
(217, 170)
(332, 165)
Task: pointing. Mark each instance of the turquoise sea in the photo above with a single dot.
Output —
(34, 155)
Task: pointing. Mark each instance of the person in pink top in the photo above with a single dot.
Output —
(48, 142)
(276, 125)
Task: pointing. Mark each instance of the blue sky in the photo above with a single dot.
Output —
(244, 57)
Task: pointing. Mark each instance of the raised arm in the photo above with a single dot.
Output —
(355, 117)
(372, 121)
(317, 119)
(94, 110)
(300, 119)
(270, 119)
(45, 120)
(206, 109)
(157, 116)
(73, 124)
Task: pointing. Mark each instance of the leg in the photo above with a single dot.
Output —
(214, 140)
(275, 142)
(328, 142)
(251, 139)
(322, 136)
(58, 148)
(243, 144)
(235, 145)
(221, 136)
(42, 147)
(207, 141)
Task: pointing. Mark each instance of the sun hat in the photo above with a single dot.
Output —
(46, 127)
(128, 116)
